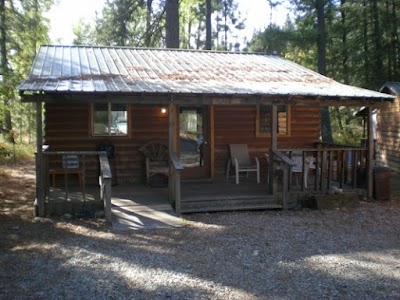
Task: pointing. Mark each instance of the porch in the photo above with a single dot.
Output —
(335, 170)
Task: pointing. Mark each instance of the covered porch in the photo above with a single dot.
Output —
(335, 170)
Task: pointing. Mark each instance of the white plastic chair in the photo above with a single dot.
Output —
(240, 159)
(298, 168)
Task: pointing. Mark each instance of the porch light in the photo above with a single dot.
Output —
(163, 110)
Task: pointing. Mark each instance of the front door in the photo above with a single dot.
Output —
(194, 142)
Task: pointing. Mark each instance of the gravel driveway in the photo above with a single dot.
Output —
(340, 254)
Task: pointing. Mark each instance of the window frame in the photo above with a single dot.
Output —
(109, 116)
(268, 134)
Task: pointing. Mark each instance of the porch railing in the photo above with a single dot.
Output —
(174, 182)
(52, 167)
(323, 169)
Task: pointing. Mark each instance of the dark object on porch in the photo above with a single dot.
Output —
(381, 183)
(156, 155)
(109, 147)
(240, 160)
(70, 165)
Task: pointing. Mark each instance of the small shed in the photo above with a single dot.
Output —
(388, 129)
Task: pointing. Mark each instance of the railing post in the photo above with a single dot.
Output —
(323, 171)
(107, 199)
(174, 182)
(177, 188)
(105, 185)
(171, 185)
(285, 188)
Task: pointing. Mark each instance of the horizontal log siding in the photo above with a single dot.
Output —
(388, 136)
(68, 128)
(236, 125)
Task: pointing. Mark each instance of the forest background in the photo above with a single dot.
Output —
(355, 42)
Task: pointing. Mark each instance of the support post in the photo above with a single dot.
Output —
(39, 162)
(274, 146)
(370, 161)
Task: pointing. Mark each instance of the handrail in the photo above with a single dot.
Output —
(175, 161)
(341, 148)
(174, 181)
(285, 159)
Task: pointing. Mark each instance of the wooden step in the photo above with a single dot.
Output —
(207, 205)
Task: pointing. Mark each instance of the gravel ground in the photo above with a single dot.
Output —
(338, 254)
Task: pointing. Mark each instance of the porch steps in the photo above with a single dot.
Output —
(197, 204)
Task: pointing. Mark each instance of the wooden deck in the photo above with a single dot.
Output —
(200, 196)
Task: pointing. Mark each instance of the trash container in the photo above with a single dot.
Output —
(382, 183)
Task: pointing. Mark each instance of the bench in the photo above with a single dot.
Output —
(70, 165)
(54, 172)
(156, 156)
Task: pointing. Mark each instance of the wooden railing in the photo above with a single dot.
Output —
(174, 182)
(50, 172)
(345, 167)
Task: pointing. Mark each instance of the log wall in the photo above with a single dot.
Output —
(237, 125)
(68, 128)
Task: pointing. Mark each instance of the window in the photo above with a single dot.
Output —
(264, 117)
(110, 119)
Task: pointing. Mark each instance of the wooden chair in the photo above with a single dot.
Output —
(157, 158)
(69, 165)
(242, 162)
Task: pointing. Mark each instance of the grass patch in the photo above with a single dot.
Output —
(18, 153)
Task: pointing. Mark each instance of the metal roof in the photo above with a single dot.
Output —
(92, 69)
(392, 88)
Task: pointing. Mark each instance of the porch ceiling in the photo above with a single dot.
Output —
(103, 70)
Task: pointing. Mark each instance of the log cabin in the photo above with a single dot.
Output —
(102, 104)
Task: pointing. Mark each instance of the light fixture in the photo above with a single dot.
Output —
(163, 110)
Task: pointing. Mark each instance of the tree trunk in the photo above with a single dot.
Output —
(4, 66)
(147, 41)
(326, 129)
(345, 55)
(208, 25)
(172, 23)
(377, 44)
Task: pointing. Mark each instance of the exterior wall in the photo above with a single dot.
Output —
(388, 136)
(237, 125)
(68, 128)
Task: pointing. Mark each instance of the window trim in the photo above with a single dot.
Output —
(93, 135)
(288, 123)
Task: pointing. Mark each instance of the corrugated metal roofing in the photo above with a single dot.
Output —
(59, 69)
(391, 88)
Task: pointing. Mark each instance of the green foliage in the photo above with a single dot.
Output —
(25, 29)
(141, 23)
(10, 153)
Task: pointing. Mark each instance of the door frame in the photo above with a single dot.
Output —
(209, 109)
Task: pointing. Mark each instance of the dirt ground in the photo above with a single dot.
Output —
(340, 254)
(17, 194)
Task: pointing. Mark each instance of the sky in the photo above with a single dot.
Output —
(67, 13)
